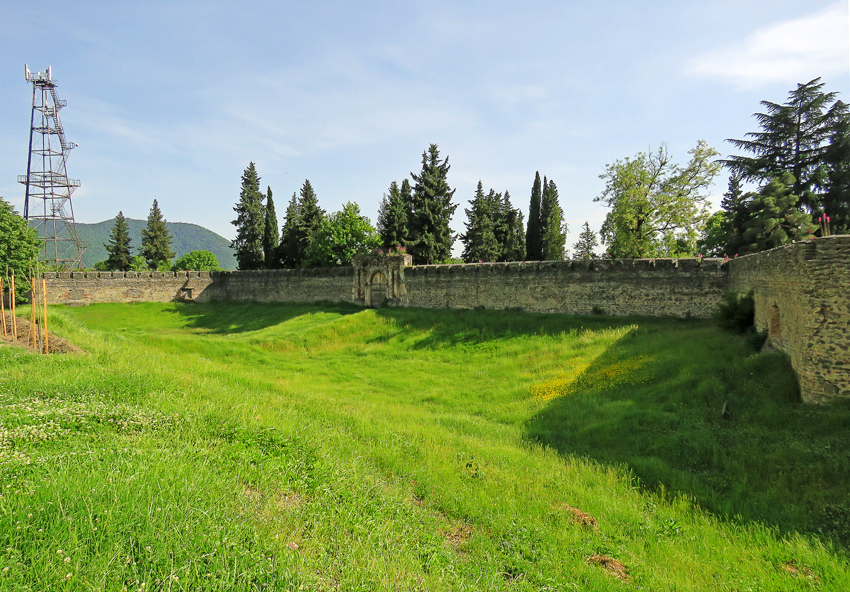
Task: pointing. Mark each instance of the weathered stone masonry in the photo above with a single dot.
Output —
(802, 293)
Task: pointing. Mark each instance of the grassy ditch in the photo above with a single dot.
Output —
(251, 447)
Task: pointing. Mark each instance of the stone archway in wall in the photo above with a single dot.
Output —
(379, 279)
(377, 289)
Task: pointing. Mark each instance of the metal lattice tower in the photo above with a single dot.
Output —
(47, 204)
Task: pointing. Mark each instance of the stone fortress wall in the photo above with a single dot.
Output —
(802, 293)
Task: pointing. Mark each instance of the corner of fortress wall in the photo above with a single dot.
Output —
(802, 293)
(802, 296)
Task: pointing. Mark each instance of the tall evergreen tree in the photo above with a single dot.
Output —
(271, 238)
(156, 240)
(288, 250)
(250, 222)
(794, 139)
(509, 231)
(393, 216)
(303, 218)
(534, 234)
(587, 242)
(118, 248)
(430, 237)
(480, 242)
(736, 215)
(836, 197)
(553, 228)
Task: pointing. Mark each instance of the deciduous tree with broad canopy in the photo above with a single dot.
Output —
(658, 208)
(19, 247)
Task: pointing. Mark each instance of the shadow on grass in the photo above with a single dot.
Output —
(455, 327)
(654, 401)
(223, 318)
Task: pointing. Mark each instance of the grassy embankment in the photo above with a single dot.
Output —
(241, 447)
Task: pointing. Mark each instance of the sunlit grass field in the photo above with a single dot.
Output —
(239, 446)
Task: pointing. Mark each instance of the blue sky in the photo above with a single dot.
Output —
(172, 100)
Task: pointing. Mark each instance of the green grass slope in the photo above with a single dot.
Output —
(245, 447)
(187, 237)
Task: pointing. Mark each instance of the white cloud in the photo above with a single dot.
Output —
(799, 49)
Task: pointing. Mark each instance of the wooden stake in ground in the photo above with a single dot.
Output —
(14, 310)
(33, 300)
(2, 308)
(44, 308)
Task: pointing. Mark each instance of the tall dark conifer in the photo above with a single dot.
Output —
(250, 222)
(118, 247)
(393, 216)
(431, 237)
(288, 250)
(156, 240)
(271, 238)
(553, 229)
(509, 231)
(480, 242)
(534, 234)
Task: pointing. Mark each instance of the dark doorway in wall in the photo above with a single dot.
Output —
(378, 289)
(774, 327)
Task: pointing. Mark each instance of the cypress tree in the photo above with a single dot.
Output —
(156, 240)
(836, 198)
(430, 237)
(553, 228)
(480, 240)
(271, 238)
(534, 234)
(118, 247)
(250, 222)
(393, 216)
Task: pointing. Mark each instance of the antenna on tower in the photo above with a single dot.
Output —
(47, 201)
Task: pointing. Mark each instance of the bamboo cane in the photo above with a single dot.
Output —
(33, 307)
(14, 312)
(44, 324)
(3, 308)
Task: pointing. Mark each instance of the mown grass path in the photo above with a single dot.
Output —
(251, 447)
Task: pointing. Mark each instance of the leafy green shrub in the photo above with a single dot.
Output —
(736, 313)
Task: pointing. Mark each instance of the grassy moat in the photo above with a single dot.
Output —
(325, 447)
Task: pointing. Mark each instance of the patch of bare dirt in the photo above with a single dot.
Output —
(19, 334)
(791, 568)
(458, 534)
(581, 518)
(614, 567)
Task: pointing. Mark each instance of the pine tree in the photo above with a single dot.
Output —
(271, 238)
(509, 231)
(776, 217)
(794, 139)
(587, 242)
(118, 247)
(534, 234)
(553, 228)
(250, 222)
(430, 237)
(736, 215)
(393, 216)
(156, 240)
(480, 240)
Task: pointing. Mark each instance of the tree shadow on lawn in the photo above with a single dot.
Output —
(458, 327)
(223, 318)
(653, 402)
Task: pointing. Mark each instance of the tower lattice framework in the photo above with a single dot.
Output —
(47, 203)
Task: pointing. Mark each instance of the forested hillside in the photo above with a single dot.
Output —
(187, 237)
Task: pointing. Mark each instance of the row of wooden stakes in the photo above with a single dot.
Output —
(38, 337)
